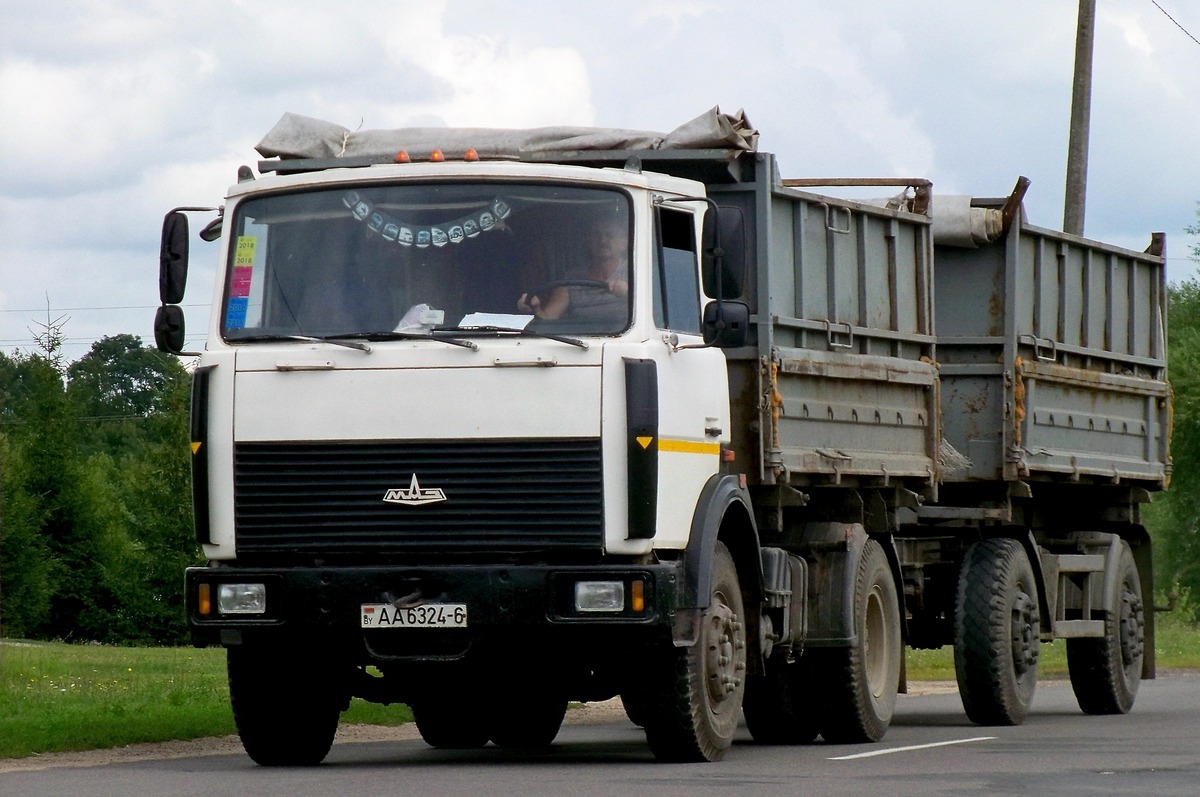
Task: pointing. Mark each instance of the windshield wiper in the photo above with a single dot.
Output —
(404, 335)
(350, 342)
(337, 341)
(583, 344)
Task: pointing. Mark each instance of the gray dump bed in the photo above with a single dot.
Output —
(840, 386)
(1053, 359)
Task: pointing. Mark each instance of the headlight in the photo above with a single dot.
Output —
(242, 598)
(599, 596)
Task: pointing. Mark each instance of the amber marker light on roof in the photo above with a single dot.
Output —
(437, 156)
(471, 155)
(402, 157)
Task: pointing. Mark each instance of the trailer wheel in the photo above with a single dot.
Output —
(775, 707)
(695, 713)
(285, 707)
(1105, 673)
(997, 629)
(860, 682)
(529, 723)
(451, 722)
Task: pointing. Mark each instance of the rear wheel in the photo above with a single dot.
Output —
(997, 627)
(530, 722)
(696, 713)
(1105, 673)
(285, 705)
(451, 722)
(861, 681)
(775, 707)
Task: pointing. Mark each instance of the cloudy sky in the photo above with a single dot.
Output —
(115, 111)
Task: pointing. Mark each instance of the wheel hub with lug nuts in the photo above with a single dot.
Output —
(1025, 632)
(726, 654)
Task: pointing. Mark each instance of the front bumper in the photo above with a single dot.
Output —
(311, 604)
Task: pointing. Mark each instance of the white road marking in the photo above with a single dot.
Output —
(910, 748)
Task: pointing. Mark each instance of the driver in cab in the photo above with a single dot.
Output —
(601, 293)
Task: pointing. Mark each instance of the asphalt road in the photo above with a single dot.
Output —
(930, 750)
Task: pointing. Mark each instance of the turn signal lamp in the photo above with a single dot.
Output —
(637, 598)
(204, 600)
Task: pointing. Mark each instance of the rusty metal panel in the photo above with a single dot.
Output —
(842, 319)
(1053, 358)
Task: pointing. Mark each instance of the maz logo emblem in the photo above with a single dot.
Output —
(415, 495)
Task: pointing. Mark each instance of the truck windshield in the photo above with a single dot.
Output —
(372, 260)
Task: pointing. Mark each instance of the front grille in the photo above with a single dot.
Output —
(502, 495)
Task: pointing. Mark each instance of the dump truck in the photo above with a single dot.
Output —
(490, 421)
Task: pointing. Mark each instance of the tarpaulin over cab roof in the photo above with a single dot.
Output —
(296, 136)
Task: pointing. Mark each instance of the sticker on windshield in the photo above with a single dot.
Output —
(235, 312)
(243, 255)
(243, 277)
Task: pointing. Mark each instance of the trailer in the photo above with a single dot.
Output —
(491, 421)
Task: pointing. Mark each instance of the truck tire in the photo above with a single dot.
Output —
(775, 707)
(860, 682)
(1105, 673)
(285, 707)
(528, 724)
(997, 630)
(696, 709)
(451, 722)
(635, 708)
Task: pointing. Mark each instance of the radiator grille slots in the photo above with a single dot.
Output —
(504, 495)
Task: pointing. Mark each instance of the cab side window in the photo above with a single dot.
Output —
(676, 287)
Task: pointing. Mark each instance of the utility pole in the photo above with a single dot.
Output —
(1081, 111)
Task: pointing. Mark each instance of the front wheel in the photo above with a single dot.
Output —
(861, 681)
(695, 713)
(997, 628)
(1105, 672)
(285, 707)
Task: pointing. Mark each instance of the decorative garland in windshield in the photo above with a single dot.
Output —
(421, 236)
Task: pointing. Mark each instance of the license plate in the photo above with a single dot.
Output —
(429, 615)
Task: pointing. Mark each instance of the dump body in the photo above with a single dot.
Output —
(839, 385)
(1052, 353)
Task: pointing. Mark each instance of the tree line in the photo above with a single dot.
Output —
(96, 514)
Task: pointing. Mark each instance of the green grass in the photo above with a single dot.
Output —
(56, 697)
(1177, 647)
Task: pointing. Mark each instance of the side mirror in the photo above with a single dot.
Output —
(168, 328)
(173, 258)
(723, 259)
(726, 324)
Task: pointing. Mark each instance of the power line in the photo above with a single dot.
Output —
(1181, 27)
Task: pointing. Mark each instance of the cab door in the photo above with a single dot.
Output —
(693, 387)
